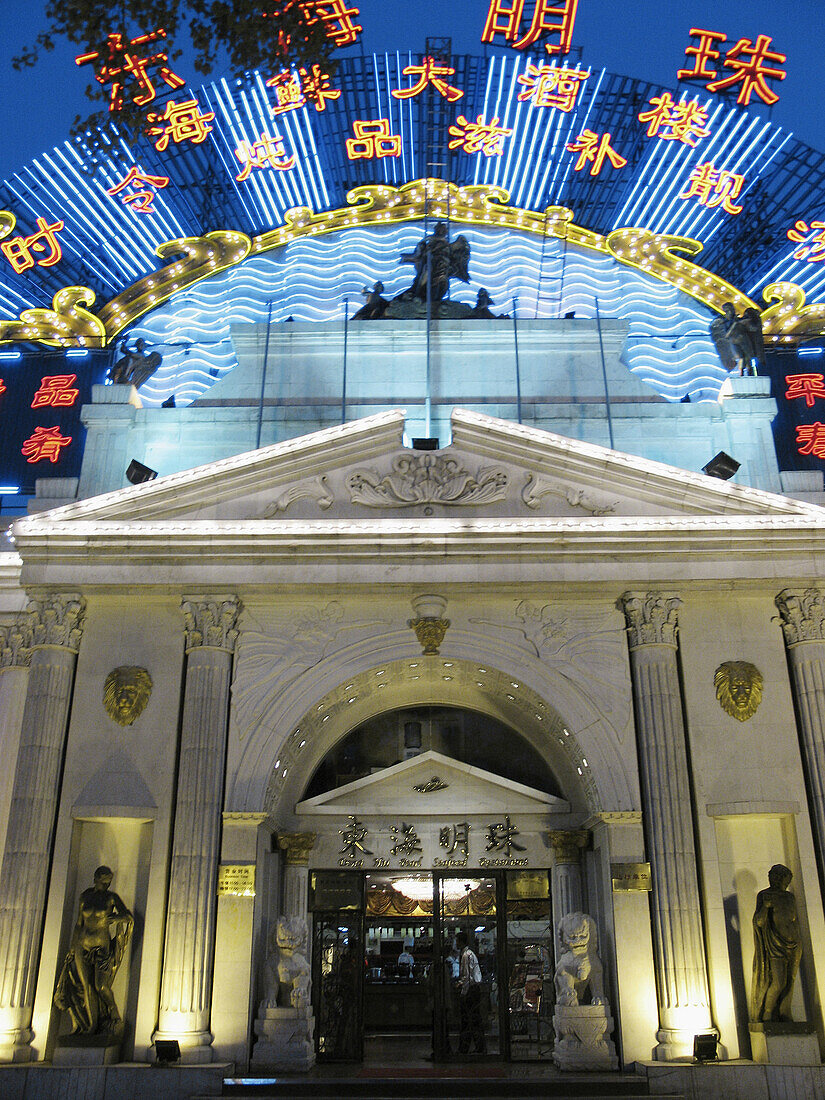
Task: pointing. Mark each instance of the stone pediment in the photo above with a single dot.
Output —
(361, 471)
(432, 784)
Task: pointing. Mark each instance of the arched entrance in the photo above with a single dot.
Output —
(432, 824)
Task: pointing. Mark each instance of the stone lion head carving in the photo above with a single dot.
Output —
(577, 933)
(291, 933)
(126, 693)
(738, 689)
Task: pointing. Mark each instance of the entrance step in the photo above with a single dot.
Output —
(445, 1086)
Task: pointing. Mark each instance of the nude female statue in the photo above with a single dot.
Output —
(99, 940)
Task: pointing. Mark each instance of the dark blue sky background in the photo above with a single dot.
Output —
(641, 39)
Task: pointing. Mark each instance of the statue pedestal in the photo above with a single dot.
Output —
(285, 1038)
(784, 1044)
(583, 1038)
(93, 1051)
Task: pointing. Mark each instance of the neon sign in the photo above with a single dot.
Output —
(18, 250)
(547, 86)
(807, 386)
(747, 59)
(267, 152)
(479, 136)
(139, 201)
(594, 150)
(373, 140)
(2, 387)
(293, 90)
(337, 18)
(119, 62)
(505, 18)
(712, 187)
(671, 121)
(45, 445)
(56, 391)
(429, 72)
(184, 123)
(813, 250)
(810, 439)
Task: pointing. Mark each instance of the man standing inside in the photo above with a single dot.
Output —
(469, 998)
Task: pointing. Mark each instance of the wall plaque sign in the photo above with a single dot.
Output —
(236, 880)
(631, 876)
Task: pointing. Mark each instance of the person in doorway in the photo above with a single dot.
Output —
(469, 998)
(406, 963)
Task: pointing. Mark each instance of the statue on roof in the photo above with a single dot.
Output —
(437, 259)
(739, 340)
(135, 367)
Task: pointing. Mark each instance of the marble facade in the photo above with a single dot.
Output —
(263, 592)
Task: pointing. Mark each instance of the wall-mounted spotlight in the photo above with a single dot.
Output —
(137, 473)
(721, 466)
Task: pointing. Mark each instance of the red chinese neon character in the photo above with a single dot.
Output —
(429, 72)
(140, 201)
(701, 54)
(18, 251)
(714, 188)
(337, 19)
(292, 90)
(812, 436)
(56, 391)
(808, 386)
(593, 150)
(751, 73)
(120, 61)
(44, 443)
(548, 86)
(683, 122)
(2, 388)
(185, 123)
(547, 19)
(479, 136)
(814, 249)
(373, 140)
(268, 152)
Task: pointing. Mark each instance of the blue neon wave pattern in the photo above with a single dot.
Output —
(668, 344)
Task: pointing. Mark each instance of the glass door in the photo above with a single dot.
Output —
(469, 1013)
(337, 990)
(530, 965)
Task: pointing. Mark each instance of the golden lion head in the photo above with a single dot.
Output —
(126, 693)
(738, 689)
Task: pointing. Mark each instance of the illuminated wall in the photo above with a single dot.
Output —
(668, 346)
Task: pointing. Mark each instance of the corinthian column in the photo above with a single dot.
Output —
(52, 631)
(566, 875)
(802, 615)
(678, 940)
(296, 847)
(186, 984)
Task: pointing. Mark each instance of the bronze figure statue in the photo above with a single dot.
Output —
(375, 306)
(135, 368)
(739, 340)
(99, 941)
(777, 949)
(437, 260)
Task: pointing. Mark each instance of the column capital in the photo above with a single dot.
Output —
(55, 619)
(652, 618)
(15, 643)
(211, 621)
(568, 844)
(801, 614)
(297, 847)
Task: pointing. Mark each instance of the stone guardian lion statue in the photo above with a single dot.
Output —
(579, 971)
(287, 970)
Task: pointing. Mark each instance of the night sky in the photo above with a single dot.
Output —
(644, 39)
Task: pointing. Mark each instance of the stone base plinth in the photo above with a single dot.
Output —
(784, 1044)
(285, 1038)
(583, 1038)
(74, 1052)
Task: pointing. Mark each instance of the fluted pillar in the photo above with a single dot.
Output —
(802, 615)
(186, 982)
(51, 633)
(678, 939)
(296, 847)
(15, 654)
(566, 875)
